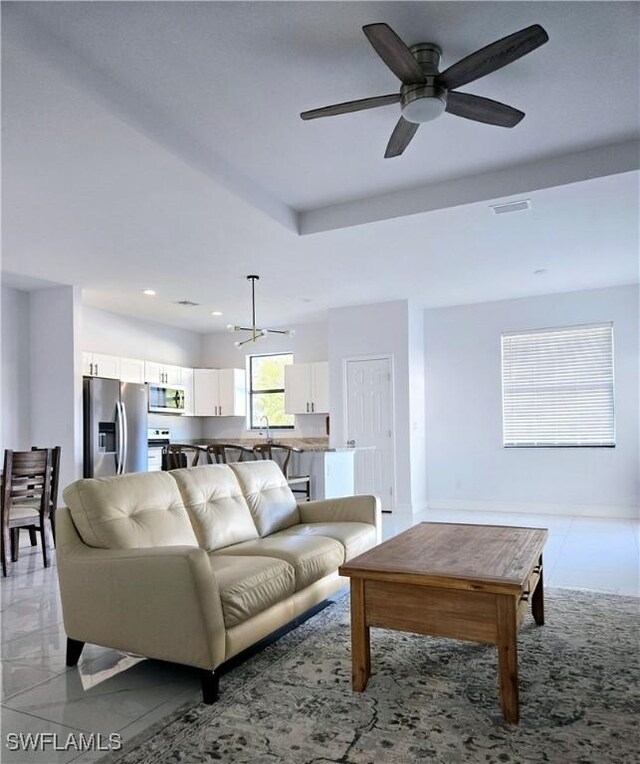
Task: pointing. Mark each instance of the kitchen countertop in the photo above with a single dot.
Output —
(304, 444)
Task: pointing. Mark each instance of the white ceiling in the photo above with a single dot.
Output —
(144, 142)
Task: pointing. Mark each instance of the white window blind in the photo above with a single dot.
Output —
(557, 387)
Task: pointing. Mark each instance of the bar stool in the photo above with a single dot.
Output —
(299, 484)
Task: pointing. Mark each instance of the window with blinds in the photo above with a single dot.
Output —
(557, 387)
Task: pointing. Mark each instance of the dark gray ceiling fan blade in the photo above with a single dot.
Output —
(401, 137)
(493, 57)
(394, 53)
(483, 109)
(349, 106)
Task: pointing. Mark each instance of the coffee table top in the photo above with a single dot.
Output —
(496, 558)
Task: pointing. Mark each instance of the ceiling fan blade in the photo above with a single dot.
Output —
(483, 109)
(394, 53)
(348, 106)
(492, 57)
(401, 137)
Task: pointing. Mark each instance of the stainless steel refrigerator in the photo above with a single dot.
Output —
(115, 427)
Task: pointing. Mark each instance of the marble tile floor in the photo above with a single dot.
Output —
(112, 692)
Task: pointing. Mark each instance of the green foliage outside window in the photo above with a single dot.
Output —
(266, 389)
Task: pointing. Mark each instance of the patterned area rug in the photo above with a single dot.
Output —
(428, 699)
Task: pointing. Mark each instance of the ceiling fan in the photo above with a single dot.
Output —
(425, 92)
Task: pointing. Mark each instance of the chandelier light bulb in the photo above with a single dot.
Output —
(238, 344)
(230, 328)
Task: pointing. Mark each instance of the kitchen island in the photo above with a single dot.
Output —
(332, 470)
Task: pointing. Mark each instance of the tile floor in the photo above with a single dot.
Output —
(111, 692)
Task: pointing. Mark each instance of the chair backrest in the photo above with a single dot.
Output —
(26, 477)
(223, 453)
(55, 472)
(176, 455)
(270, 451)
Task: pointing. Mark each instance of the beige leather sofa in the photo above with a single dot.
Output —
(195, 565)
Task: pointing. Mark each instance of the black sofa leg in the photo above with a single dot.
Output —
(74, 650)
(209, 681)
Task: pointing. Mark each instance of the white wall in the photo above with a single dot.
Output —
(104, 332)
(308, 344)
(55, 392)
(417, 403)
(467, 466)
(15, 415)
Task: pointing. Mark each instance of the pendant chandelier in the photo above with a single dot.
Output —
(255, 331)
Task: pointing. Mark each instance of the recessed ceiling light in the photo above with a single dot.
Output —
(148, 292)
(540, 272)
(216, 312)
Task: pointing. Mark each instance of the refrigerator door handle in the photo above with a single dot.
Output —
(119, 439)
(125, 437)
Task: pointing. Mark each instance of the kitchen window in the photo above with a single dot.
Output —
(557, 387)
(266, 391)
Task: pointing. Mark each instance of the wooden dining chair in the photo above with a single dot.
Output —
(300, 484)
(178, 455)
(25, 500)
(223, 453)
(55, 475)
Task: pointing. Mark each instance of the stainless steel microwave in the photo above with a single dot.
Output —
(166, 399)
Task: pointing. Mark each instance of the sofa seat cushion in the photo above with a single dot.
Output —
(355, 537)
(272, 504)
(249, 585)
(312, 557)
(218, 511)
(141, 509)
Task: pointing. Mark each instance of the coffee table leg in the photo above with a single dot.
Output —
(508, 656)
(537, 600)
(360, 651)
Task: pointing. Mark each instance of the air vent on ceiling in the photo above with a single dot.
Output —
(187, 303)
(500, 209)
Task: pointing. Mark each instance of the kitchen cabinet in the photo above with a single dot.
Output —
(162, 373)
(100, 365)
(132, 370)
(186, 375)
(219, 392)
(306, 388)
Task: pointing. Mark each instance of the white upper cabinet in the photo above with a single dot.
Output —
(306, 388)
(320, 387)
(162, 373)
(100, 365)
(219, 392)
(186, 376)
(132, 370)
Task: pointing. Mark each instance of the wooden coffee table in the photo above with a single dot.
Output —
(472, 582)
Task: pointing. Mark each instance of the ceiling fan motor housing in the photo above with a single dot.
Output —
(425, 101)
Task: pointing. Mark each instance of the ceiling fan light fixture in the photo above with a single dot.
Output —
(424, 108)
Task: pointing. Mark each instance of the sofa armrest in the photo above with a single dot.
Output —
(359, 509)
(160, 602)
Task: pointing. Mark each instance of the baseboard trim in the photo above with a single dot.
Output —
(534, 508)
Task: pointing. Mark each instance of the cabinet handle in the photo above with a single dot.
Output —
(90, 369)
(96, 370)
(220, 410)
(313, 407)
(307, 407)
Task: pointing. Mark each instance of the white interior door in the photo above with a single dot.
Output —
(369, 424)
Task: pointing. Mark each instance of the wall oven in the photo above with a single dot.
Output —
(166, 399)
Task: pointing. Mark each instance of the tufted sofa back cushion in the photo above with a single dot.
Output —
(272, 504)
(218, 511)
(137, 510)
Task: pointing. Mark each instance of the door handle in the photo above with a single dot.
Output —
(125, 437)
(351, 443)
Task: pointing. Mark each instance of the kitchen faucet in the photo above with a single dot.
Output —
(266, 420)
